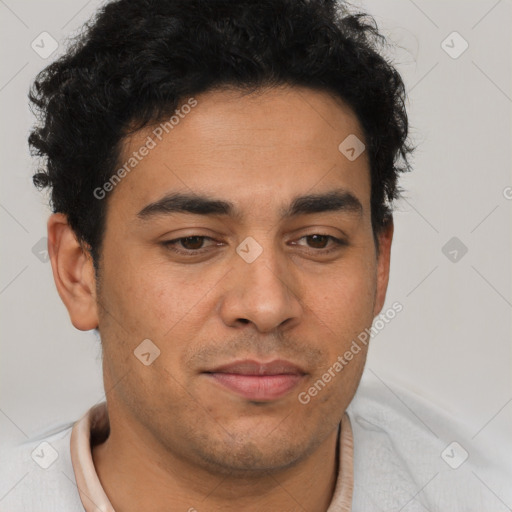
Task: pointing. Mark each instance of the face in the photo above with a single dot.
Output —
(241, 245)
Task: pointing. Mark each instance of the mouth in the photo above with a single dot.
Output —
(258, 381)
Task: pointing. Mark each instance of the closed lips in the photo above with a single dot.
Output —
(257, 381)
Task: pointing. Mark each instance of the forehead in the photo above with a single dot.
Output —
(254, 150)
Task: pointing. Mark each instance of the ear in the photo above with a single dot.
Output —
(73, 272)
(383, 262)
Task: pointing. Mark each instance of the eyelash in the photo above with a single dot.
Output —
(172, 244)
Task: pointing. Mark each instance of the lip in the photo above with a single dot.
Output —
(258, 381)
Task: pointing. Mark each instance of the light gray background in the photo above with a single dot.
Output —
(452, 342)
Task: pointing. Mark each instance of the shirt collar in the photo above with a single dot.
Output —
(95, 425)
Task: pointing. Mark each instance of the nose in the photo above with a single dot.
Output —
(262, 293)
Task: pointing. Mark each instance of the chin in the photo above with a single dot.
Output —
(250, 452)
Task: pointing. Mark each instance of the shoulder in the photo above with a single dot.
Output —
(411, 455)
(36, 475)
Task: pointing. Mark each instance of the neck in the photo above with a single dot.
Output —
(139, 474)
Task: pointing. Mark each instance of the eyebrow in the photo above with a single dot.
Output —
(338, 200)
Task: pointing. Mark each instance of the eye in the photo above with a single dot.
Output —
(187, 244)
(320, 243)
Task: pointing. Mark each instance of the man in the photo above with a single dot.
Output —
(222, 175)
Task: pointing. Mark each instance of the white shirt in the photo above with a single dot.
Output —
(406, 457)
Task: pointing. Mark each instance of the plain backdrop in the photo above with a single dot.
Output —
(451, 256)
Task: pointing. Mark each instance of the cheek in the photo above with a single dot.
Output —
(152, 298)
(343, 299)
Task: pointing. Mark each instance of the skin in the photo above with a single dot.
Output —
(176, 436)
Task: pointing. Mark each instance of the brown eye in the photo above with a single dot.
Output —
(318, 241)
(320, 244)
(192, 242)
(189, 245)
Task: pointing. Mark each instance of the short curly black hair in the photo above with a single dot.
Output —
(137, 59)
